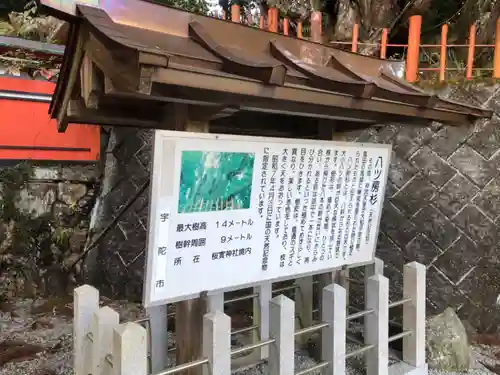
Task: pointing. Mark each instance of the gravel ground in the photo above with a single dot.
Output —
(36, 339)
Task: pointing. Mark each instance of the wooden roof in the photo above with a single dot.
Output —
(153, 55)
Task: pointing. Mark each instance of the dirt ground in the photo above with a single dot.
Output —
(36, 339)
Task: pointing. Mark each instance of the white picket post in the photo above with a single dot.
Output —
(215, 302)
(85, 304)
(130, 350)
(414, 314)
(304, 305)
(376, 330)
(261, 317)
(104, 321)
(217, 343)
(375, 268)
(282, 329)
(343, 280)
(333, 337)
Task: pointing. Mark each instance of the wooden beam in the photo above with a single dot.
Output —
(208, 113)
(92, 82)
(124, 73)
(62, 124)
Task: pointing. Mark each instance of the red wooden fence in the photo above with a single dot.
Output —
(413, 48)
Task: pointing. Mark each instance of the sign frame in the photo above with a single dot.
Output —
(157, 166)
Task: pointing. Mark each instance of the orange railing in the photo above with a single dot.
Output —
(413, 48)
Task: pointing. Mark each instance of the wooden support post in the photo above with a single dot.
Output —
(377, 325)
(104, 322)
(130, 350)
(158, 337)
(282, 329)
(413, 52)
(261, 317)
(85, 304)
(333, 337)
(414, 314)
(217, 343)
(189, 314)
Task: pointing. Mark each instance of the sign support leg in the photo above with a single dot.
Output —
(189, 314)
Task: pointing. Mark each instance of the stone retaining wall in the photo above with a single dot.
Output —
(442, 209)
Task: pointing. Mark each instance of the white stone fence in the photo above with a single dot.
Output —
(103, 346)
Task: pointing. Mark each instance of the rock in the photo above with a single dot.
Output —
(77, 240)
(447, 342)
(71, 193)
(37, 198)
(84, 173)
(17, 351)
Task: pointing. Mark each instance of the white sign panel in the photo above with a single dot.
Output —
(230, 211)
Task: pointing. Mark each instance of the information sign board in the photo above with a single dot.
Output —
(231, 211)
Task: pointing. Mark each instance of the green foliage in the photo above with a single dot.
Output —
(195, 6)
(28, 24)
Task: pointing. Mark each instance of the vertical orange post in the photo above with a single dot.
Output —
(383, 44)
(223, 14)
(355, 37)
(496, 59)
(261, 22)
(299, 30)
(442, 55)
(470, 54)
(235, 13)
(286, 26)
(413, 52)
(316, 26)
(272, 20)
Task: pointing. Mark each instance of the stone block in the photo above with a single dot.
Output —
(64, 215)
(383, 134)
(432, 166)
(77, 240)
(37, 198)
(446, 141)
(81, 173)
(454, 195)
(477, 226)
(441, 291)
(387, 250)
(489, 199)
(395, 225)
(473, 165)
(422, 250)
(482, 285)
(436, 226)
(71, 193)
(400, 170)
(410, 138)
(459, 258)
(487, 141)
(418, 192)
(46, 173)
